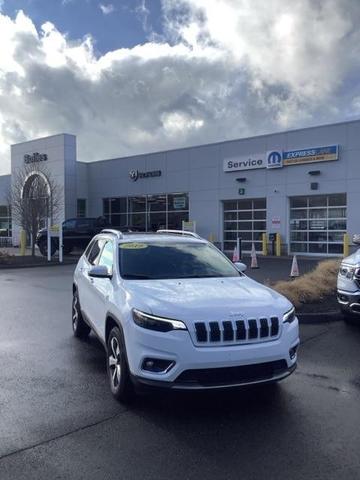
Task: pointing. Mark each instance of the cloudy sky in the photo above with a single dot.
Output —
(132, 76)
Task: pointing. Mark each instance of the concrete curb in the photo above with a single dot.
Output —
(320, 317)
(37, 265)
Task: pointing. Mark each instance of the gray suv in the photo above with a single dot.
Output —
(348, 285)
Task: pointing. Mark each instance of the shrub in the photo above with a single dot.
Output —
(311, 287)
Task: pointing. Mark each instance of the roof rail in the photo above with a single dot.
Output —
(118, 233)
(179, 232)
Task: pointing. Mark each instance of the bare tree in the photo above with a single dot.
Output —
(35, 195)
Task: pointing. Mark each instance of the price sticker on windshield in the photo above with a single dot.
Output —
(133, 246)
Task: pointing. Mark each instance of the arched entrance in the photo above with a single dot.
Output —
(36, 198)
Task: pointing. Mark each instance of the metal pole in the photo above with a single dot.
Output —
(48, 239)
(239, 247)
(60, 243)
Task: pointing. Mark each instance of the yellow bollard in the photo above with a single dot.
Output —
(264, 244)
(211, 238)
(22, 243)
(278, 245)
(346, 246)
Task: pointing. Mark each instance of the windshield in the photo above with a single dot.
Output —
(175, 260)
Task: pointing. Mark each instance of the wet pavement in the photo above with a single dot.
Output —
(58, 419)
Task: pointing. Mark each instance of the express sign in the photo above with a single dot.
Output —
(278, 159)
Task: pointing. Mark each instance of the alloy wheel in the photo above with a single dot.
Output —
(114, 360)
(75, 312)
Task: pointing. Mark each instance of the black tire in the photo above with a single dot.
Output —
(351, 318)
(80, 328)
(67, 250)
(43, 247)
(117, 367)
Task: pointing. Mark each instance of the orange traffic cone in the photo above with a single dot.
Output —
(254, 263)
(294, 268)
(236, 257)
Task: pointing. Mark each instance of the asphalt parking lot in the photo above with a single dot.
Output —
(58, 419)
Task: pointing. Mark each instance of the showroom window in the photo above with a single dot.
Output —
(147, 212)
(318, 224)
(81, 207)
(5, 221)
(245, 219)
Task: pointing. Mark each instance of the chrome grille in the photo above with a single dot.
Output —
(237, 331)
(357, 276)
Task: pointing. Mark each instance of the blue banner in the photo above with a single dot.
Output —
(309, 155)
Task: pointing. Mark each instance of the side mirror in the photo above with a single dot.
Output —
(240, 266)
(100, 271)
(356, 239)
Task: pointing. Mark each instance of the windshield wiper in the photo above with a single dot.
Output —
(131, 276)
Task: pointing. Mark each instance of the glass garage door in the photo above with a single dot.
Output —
(318, 224)
(245, 219)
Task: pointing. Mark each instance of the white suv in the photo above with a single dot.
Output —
(173, 311)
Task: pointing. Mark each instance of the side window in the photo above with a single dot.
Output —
(83, 223)
(95, 252)
(88, 249)
(107, 255)
(69, 224)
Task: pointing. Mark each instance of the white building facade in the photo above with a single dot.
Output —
(303, 184)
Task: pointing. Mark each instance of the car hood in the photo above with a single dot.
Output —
(353, 259)
(206, 298)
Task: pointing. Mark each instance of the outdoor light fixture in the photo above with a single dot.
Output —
(314, 172)
(241, 179)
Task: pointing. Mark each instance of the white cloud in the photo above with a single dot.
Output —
(106, 9)
(222, 69)
(143, 13)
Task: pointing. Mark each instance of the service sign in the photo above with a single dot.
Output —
(311, 155)
(251, 162)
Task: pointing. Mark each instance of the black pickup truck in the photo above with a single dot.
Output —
(77, 233)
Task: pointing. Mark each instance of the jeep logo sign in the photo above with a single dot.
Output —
(35, 158)
(135, 174)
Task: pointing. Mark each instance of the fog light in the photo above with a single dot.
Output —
(292, 352)
(343, 298)
(157, 365)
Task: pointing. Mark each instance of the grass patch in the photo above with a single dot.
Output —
(311, 287)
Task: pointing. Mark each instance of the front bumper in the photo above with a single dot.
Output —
(210, 367)
(349, 301)
(208, 384)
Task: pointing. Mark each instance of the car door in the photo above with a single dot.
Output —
(84, 232)
(85, 283)
(102, 289)
(68, 232)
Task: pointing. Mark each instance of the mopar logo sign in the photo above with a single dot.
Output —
(274, 159)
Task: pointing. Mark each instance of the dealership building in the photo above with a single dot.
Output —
(303, 184)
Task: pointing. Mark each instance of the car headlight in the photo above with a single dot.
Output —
(347, 271)
(289, 316)
(160, 324)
